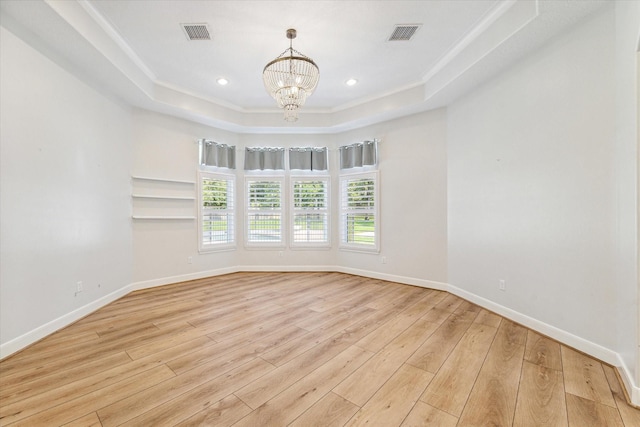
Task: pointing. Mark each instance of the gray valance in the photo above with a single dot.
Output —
(264, 158)
(308, 158)
(214, 154)
(359, 154)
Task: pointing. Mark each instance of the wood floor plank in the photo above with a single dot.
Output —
(543, 351)
(451, 386)
(377, 339)
(588, 413)
(89, 420)
(395, 399)
(152, 397)
(362, 384)
(330, 411)
(426, 415)
(49, 380)
(630, 415)
(493, 398)
(541, 400)
(258, 392)
(435, 350)
(223, 413)
(488, 318)
(288, 405)
(201, 397)
(91, 402)
(584, 377)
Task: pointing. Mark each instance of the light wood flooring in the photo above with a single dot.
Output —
(304, 349)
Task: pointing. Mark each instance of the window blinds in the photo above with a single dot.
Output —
(359, 154)
(263, 158)
(219, 155)
(309, 158)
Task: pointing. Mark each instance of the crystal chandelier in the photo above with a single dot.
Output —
(290, 79)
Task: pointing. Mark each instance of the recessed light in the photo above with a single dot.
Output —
(222, 81)
(351, 82)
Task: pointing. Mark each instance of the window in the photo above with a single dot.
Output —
(264, 211)
(217, 211)
(310, 212)
(359, 222)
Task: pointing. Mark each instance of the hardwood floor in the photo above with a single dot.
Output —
(304, 349)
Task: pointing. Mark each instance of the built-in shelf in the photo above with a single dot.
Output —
(177, 181)
(162, 217)
(162, 199)
(148, 196)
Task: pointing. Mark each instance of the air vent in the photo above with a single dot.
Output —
(403, 32)
(196, 31)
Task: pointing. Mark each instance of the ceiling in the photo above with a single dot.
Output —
(137, 52)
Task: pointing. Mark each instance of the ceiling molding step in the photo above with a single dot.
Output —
(502, 23)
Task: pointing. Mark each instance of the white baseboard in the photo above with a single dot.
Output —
(146, 284)
(588, 347)
(31, 337)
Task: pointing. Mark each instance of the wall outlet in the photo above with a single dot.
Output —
(280, 254)
(189, 260)
(383, 260)
(78, 288)
(502, 285)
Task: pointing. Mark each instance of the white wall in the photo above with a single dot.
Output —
(413, 199)
(64, 195)
(542, 192)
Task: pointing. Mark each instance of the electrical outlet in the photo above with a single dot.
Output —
(78, 288)
(189, 260)
(502, 285)
(280, 254)
(383, 260)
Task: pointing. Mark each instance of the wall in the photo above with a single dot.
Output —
(165, 147)
(64, 196)
(413, 175)
(537, 197)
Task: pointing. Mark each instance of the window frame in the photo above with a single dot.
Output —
(309, 177)
(343, 181)
(224, 246)
(257, 177)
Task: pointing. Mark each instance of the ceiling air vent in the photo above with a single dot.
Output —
(196, 31)
(403, 32)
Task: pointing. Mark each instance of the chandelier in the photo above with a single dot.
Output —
(290, 79)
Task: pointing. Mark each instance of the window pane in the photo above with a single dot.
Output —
(310, 228)
(264, 195)
(360, 229)
(310, 195)
(217, 228)
(265, 228)
(217, 211)
(360, 194)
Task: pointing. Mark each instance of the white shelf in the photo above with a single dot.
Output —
(146, 196)
(177, 181)
(162, 217)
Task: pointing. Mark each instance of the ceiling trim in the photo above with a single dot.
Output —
(498, 25)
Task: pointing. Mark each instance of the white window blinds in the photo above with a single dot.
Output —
(359, 211)
(219, 155)
(264, 211)
(359, 154)
(310, 212)
(217, 210)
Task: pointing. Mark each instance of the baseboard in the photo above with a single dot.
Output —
(393, 278)
(35, 335)
(146, 284)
